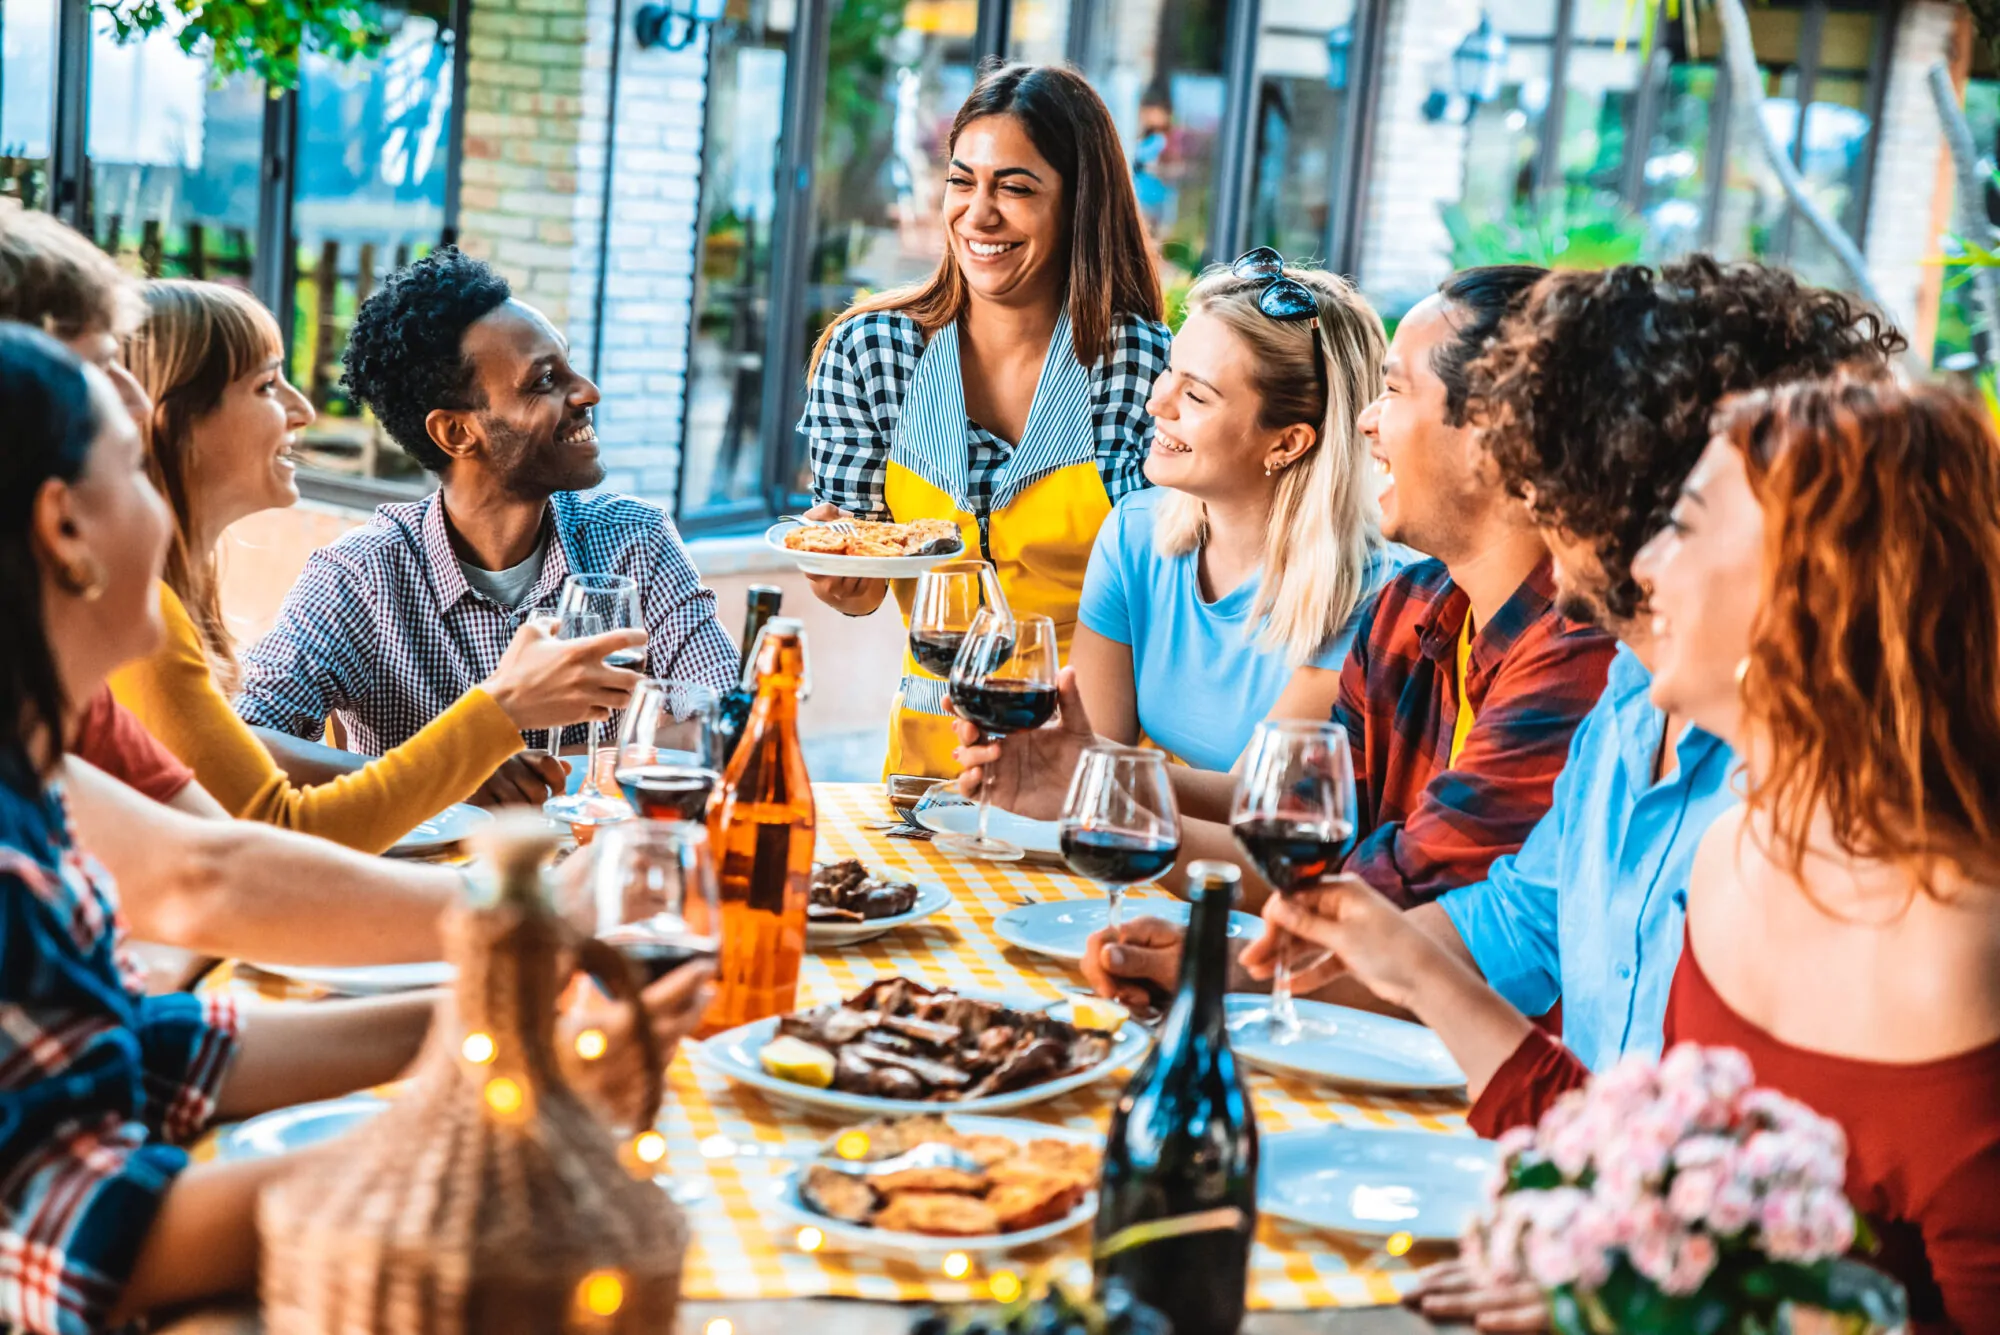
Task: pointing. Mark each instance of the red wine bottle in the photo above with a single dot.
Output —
(1183, 1143)
(760, 605)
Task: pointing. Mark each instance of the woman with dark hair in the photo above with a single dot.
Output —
(1006, 392)
(1843, 922)
(104, 1218)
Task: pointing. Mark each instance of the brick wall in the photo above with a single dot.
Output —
(537, 89)
(1909, 201)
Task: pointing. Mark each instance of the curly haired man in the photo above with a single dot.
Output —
(395, 620)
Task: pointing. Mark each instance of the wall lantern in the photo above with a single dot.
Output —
(1339, 54)
(1479, 61)
(673, 25)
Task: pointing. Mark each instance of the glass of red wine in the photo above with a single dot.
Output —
(1003, 681)
(669, 749)
(1120, 827)
(652, 896)
(594, 605)
(1293, 816)
(948, 596)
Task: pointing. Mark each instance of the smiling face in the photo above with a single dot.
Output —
(1205, 407)
(1703, 575)
(242, 448)
(1004, 213)
(1436, 479)
(534, 433)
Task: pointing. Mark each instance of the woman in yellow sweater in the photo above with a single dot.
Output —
(219, 434)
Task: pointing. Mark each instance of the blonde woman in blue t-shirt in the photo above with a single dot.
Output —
(1227, 593)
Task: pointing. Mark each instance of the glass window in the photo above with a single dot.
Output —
(1305, 63)
(721, 462)
(897, 73)
(1833, 154)
(374, 146)
(175, 159)
(1674, 179)
(1503, 136)
(1158, 66)
(27, 98)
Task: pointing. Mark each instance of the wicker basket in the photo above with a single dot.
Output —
(487, 1199)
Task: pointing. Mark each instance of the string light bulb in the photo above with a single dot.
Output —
(720, 1325)
(1399, 1244)
(811, 1239)
(602, 1293)
(592, 1044)
(852, 1145)
(651, 1147)
(478, 1048)
(503, 1095)
(1005, 1286)
(957, 1265)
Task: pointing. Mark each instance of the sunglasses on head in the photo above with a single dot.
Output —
(1283, 298)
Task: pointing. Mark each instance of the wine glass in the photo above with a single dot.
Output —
(652, 896)
(668, 746)
(1003, 680)
(949, 595)
(594, 605)
(1119, 824)
(1293, 816)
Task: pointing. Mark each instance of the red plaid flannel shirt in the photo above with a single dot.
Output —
(1426, 825)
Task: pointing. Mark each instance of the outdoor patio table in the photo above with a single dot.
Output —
(741, 1252)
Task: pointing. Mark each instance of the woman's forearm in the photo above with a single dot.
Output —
(203, 1243)
(1202, 794)
(1475, 1023)
(296, 1053)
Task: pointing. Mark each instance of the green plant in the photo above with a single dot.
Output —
(260, 37)
(1574, 229)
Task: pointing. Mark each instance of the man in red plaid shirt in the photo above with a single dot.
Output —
(1464, 683)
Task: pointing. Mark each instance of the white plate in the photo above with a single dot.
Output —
(1363, 1049)
(1059, 928)
(1374, 1181)
(368, 980)
(856, 567)
(298, 1128)
(734, 1053)
(440, 831)
(787, 1203)
(931, 898)
(943, 811)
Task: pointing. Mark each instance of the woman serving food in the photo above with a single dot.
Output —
(1005, 394)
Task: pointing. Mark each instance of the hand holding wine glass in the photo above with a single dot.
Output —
(668, 749)
(1003, 681)
(1120, 826)
(1293, 817)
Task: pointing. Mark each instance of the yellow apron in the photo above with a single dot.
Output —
(1048, 503)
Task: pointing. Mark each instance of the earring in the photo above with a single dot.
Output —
(1742, 669)
(85, 581)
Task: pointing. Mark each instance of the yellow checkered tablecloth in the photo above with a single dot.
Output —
(725, 1141)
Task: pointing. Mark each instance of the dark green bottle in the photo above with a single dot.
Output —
(761, 604)
(1183, 1142)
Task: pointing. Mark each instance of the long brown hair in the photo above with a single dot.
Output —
(1110, 262)
(1323, 524)
(196, 340)
(1874, 668)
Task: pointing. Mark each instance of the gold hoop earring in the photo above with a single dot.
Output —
(86, 582)
(1742, 669)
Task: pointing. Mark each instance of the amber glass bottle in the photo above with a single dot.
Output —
(760, 826)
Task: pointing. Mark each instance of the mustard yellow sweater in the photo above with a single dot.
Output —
(176, 697)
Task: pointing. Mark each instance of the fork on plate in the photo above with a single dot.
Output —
(844, 527)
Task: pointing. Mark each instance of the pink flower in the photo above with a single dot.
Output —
(1692, 1193)
(1733, 1209)
(1694, 1260)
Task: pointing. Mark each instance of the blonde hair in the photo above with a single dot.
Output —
(1324, 525)
(196, 340)
(56, 280)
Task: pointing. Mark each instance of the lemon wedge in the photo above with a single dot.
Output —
(798, 1061)
(1097, 1013)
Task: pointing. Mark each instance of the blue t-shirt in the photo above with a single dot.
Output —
(1202, 683)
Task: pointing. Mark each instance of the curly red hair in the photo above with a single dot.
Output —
(1874, 670)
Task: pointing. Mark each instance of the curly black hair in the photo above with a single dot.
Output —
(1596, 395)
(405, 355)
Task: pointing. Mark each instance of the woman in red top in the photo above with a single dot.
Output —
(1827, 599)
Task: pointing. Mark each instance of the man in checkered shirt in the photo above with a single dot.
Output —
(394, 621)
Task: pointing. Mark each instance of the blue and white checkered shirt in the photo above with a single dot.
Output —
(383, 632)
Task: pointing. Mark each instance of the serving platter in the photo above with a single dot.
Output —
(852, 567)
(932, 898)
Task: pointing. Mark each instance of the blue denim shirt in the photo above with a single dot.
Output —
(1591, 910)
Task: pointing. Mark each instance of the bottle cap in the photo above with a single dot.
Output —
(1208, 874)
(784, 625)
(766, 591)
